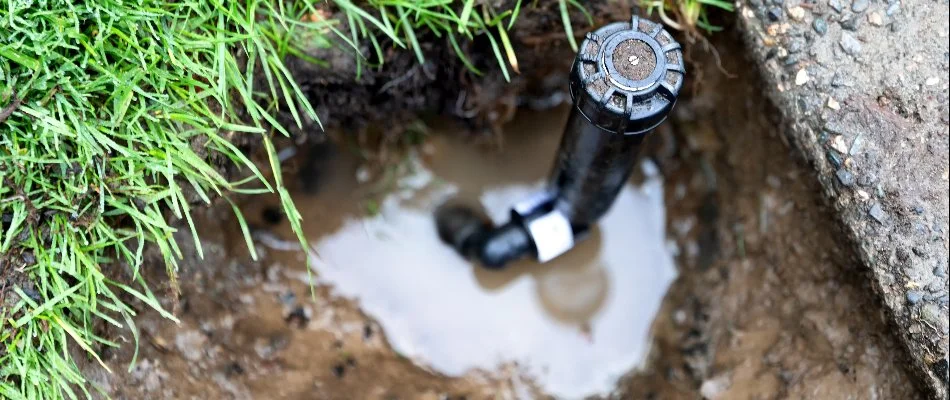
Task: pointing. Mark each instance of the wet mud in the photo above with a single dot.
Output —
(764, 299)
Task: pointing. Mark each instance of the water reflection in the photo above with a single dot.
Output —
(574, 325)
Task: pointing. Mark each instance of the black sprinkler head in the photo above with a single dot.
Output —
(623, 83)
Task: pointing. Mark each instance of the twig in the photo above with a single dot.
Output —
(8, 110)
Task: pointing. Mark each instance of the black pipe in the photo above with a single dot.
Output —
(623, 83)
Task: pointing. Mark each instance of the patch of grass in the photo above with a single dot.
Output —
(114, 118)
(687, 15)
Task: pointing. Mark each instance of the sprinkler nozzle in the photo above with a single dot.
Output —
(623, 83)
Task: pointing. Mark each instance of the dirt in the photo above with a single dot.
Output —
(770, 301)
(382, 102)
(864, 87)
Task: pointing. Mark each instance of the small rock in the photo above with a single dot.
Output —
(940, 272)
(801, 77)
(918, 210)
(775, 14)
(839, 80)
(930, 313)
(849, 44)
(836, 5)
(846, 178)
(859, 6)
(797, 13)
(833, 104)
(932, 81)
(796, 45)
(834, 159)
(876, 19)
(863, 195)
(893, 8)
(877, 213)
(850, 24)
(191, 344)
(820, 26)
(913, 296)
(713, 388)
(838, 144)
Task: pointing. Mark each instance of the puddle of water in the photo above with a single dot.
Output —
(573, 326)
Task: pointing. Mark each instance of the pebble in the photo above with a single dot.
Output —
(877, 213)
(940, 272)
(860, 5)
(796, 45)
(932, 81)
(820, 26)
(893, 8)
(838, 144)
(775, 14)
(797, 13)
(930, 313)
(801, 77)
(913, 296)
(845, 177)
(836, 5)
(833, 104)
(876, 19)
(850, 24)
(849, 44)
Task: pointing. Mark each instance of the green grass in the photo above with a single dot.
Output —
(113, 116)
(686, 15)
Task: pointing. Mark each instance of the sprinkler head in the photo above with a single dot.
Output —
(627, 75)
(623, 83)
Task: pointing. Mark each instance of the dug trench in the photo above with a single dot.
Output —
(718, 274)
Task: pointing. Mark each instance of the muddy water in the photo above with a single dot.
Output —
(572, 326)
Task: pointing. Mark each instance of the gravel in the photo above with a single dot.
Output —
(850, 44)
(845, 177)
(860, 5)
(877, 213)
(820, 26)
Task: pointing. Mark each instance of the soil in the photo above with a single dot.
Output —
(769, 303)
(863, 85)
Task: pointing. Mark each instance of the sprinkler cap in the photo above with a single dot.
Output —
(627, 75)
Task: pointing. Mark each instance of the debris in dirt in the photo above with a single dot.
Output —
(191, 344)
(932, 81)
(711, 389)
(339, 370)
(272, 215)
(775, 14)
(797, 13)
(820, 26)
(914, 296)
(300, 315)
(801, 77)
(850, 44)
(836, 5)
(876, 19)
(234, 368)
(845, 177)
(367, 331)
(851, 23)
(877, 213)
(859, 6)
(833, 104)
(267, 347)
